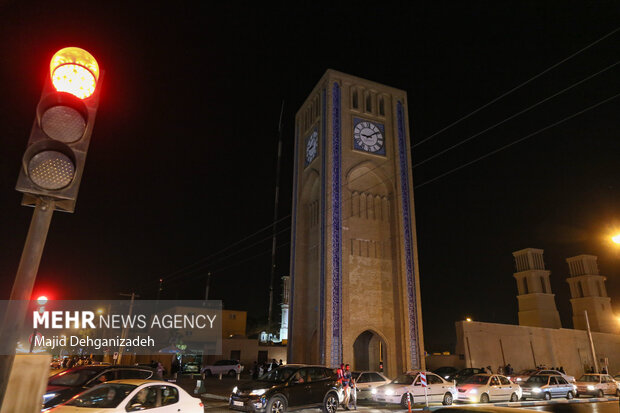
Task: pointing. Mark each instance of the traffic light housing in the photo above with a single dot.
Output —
(53, 163)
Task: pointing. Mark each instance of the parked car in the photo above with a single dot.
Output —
(121, 396)
(230, 367)
(290, 387)
(545, 386)
(597, 385)
(447, 372)
(366, 381)
(66, 384)
(566, 377)
(523, 375)
(409, 384)
(463, 374)
(485, 388)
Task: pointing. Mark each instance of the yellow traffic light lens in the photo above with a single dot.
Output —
(51, 170)
(63, 123)
(74, 70)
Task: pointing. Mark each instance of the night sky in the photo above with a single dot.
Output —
(183, 156)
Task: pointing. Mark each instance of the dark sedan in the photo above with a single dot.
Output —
(464, 374)
(290, 387)
(64, 385)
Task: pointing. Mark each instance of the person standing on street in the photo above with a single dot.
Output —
(174, 369)
(346, 385)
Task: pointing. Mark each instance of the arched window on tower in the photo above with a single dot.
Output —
(543, 284)
(368, 103)
(525, 289)
(381, 106)
(354, 99)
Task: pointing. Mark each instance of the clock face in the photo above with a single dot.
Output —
(368, 136)
(312, 146)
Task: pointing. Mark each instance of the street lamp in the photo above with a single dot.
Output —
(468, 319)
(616, 239)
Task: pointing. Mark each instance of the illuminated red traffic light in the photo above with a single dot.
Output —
(53, 163)
(74, 70)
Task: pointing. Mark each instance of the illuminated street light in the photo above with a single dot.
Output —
(468, 319)
(616, 239)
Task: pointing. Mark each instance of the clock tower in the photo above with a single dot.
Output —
(355, 290)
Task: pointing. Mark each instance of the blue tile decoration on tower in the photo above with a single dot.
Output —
(408, 237)
(336, 321)
(323, 219)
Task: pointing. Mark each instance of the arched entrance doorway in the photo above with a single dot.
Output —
(369, 352)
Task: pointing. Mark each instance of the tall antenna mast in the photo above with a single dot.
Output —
(275, 219)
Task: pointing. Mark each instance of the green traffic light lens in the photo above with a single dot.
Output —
(51, 170)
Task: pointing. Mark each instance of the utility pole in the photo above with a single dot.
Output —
(591, 343)
(207, 287)
(159, 288)
(275, 219)
(125, 329)
(22, 287)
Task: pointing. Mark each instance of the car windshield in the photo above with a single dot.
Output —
(526, 372)
(403, 379)
(73, 378)
(106, 396)
(476, 380)
(537, 379)
(279, 375)
(589, 378)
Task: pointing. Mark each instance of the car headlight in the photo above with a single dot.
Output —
(374, 391)
(235, 390)
(258, 392)
(590, 387)
(518, 378)
(49, 396)
(473, 391)
(389, 392)
(536, 390)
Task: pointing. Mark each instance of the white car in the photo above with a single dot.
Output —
(225, 367)
(365, 381)
(437, 390)
(486, 388)
(121, 396)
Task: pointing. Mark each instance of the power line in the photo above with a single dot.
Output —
(515, 88)
(223, 249)
(515, 115)
(517, 141)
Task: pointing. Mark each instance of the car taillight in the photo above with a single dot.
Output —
(201, 405)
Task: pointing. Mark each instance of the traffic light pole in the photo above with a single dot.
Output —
(22, 287)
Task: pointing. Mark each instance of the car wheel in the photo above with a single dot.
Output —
(569, 395)
(276, 405)
(232, 373)
(403, 400)
(484, 398)
(330, 404)
(447, 399)
(514, 397)
(601, 394)
(547, 396)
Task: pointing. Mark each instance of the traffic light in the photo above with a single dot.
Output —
(53, 163)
